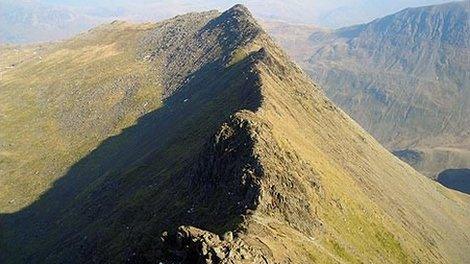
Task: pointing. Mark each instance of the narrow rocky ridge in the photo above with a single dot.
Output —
(294, 194)
(185, 44)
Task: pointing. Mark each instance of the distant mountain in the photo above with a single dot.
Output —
(361, 11)
(27, 21)
(31, 21)
(196, 140)
(404, 78)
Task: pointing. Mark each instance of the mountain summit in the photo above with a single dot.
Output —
(238, 158)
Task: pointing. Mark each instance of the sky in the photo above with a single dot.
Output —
(326, 13)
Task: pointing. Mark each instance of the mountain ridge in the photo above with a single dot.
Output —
(246, 149)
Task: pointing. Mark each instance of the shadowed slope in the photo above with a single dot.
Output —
(457, 179)
(110, 180)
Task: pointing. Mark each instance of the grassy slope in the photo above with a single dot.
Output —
(351, 200)
(59, 103)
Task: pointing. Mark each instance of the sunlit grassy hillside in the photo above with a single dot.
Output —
(59, 101)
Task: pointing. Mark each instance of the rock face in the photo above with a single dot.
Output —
(404, 78)
(193, 245)
(244, 161)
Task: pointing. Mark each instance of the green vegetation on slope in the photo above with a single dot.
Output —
(61, 100)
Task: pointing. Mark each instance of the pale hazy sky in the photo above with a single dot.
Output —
(325, 13)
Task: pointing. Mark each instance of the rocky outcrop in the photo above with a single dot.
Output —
(224, 181)
(193, 245)
(181, 46)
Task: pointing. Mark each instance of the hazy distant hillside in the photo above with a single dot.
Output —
(30, 21)
(24, 21)
(404, 78)
(320, 12)
(197, 140)
(362, 11)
